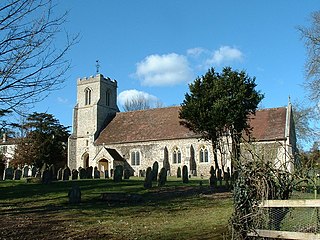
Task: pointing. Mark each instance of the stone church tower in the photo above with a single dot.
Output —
(96, 105)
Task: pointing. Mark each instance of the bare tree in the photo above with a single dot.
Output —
(311, 35)
(140, 102)
(32, 63)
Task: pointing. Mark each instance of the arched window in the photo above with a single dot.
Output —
(87, 96)
(135, 158)
(108, 97)
(176, 155)
(204, 154)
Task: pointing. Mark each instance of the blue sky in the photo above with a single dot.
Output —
(158, 47)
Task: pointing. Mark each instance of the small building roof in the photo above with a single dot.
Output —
(164, 124)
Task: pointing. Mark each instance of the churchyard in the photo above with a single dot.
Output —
(31, 210)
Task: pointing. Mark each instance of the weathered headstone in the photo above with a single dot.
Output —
(179, 172)
(213, 178)
(155, 169)
(2, 167)
(185, 178)
(59, 174)
(89, 172)
(17, 174)
(74, 174)
(83, 173)
(118, 173)
(148, 179)
(162, 177)
(66, 173)
(25, 172)
(8, 173)
(96, 173)
(74, 194)
(126, 174)
(106, 174)
(52, 172)
(34, 171)
(45, 176)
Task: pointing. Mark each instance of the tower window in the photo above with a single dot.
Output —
(87, 96)
(108, 96)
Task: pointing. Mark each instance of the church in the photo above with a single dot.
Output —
(103, 137)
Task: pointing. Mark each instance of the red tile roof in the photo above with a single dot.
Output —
(269, 124)
(163, 124)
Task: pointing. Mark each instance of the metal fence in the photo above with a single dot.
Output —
(288, 219)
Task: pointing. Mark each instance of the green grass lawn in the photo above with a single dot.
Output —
(36, 211)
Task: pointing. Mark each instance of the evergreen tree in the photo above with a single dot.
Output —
(220, 104)
(45, 142)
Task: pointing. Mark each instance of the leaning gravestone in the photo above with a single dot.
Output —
(106, 174)
(66, 173)
(17, 174)
(74, 195)
(74, 174)
(82, 173)
(96, 173)
(25, 172)
(8, 173)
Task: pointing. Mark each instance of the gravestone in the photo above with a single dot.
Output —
(126, 174)
(106, 174)
(8, 173)
(34, 171)
(74, 194)
(52, 172)
(96, 173)
(66, 173)
(118, 173)
(25, 172)
(17, 174)
(59, 174)
(2, 167)
(89, 172)
(83, 173)
(45, 176)
(74, 174)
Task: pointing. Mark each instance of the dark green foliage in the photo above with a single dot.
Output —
(179, 172)
(148, 179)
(126, 174)
(155, 169)
(218, 103)
(213, 178)
(45, 142)
(118, 173)
(185, 177)
(162, 177)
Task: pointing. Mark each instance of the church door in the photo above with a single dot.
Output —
(103, 167)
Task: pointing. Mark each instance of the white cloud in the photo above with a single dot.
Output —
(195, 52)
(133, 93)
(225, 54)
(63, 100)
(164, 70)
